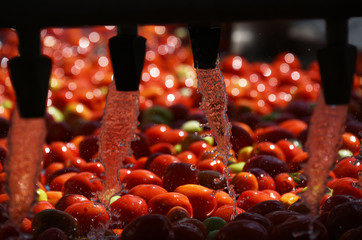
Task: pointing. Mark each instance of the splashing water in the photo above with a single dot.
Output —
(116, 134)
(324, 138)
(23, 164)
(214, 104)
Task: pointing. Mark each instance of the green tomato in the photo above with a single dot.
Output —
(42, 195)
(191, 126)
(55, 113)
(214, 223)
(210, 140)
(237, 167)
(342, 153)
(178, 148)
(113, 199)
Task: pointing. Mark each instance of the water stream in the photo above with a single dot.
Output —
(116, 134)
(23, 164)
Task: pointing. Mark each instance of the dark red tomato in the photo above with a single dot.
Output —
(348, 167)
(163, 147)
(347, 186)
(84, 183)
(284, 183)
(187, 157)
(147, 191)
(141, 176)
(42, 205)
(163, 203)
(272, 134)
(268, 148)
(245, 181)
(239, 137)
(210, 164)
(127, 208)
(249, 198)
(68, 200)
(178, 174)
(53, 167)
(159, 164)
(89, 215)
(57, 152)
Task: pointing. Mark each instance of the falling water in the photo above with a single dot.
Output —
(214, 104)
(117, 132)
(23, 164)
(324, 138)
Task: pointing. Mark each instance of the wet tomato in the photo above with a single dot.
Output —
(211, 164)
(249, 198)
(70, 199)
(89, 215)
(147, 191)
(244, 181)
(202, 199)
(127, 208)
(141, 176)
(84, 183)
(348, 167)
(268, 148)
(178, 174)
(226, 212)
(187, 157)
(159, 164)
(222, 198)
(284, 183)
(163, 203)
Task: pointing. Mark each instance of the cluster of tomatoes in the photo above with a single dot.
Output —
(173, 184)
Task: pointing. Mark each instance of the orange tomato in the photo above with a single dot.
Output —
(163, 203)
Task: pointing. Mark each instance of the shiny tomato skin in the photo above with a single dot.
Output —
(89, 215)
(163, 203)
(141, 176)
(147, 191)
(84, 183)
(249, 198)
(128, 207)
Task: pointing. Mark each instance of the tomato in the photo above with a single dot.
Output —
(295, 126)
(245, 181)
(210, 164)
(163, 203)
(350, 142)
(147, 191)
(84, 183)
(127, 208)
(58, 182)
(284, 183)
(222, 198)
(226, 212)
(89, 215)
(202, 199)
(249, 198)
(268, 148)
(159, 164)
(289, 149)
(163, 147)
(42, 205)
(141, 176)
(348, 167)
(199, 147)
(187, 157)
(69, 199)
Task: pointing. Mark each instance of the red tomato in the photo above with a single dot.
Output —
(94, 167)
(350, 142)
(249, 198)
(202, 199)
(89, 215)
(42, 205)
(245, 181)
(70, 199)
(163, 203)
(84, 183)
(289, 150)
(57, 152)
(187, 157)
(226, 212)
(147, 191)
(223, 198)
(295, 126)
(199, 147)
(163, 147)
(25, 226)
(58, 182)
(141, 176)
(347, 186)
(268, 148)
(159, 164)
(284, 183)
(157, 133)
(127, 208)
(210, 164)
(348, 167)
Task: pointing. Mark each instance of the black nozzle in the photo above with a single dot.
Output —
(29, 74)
(205, 41)
(127, 51)
(337, 61)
